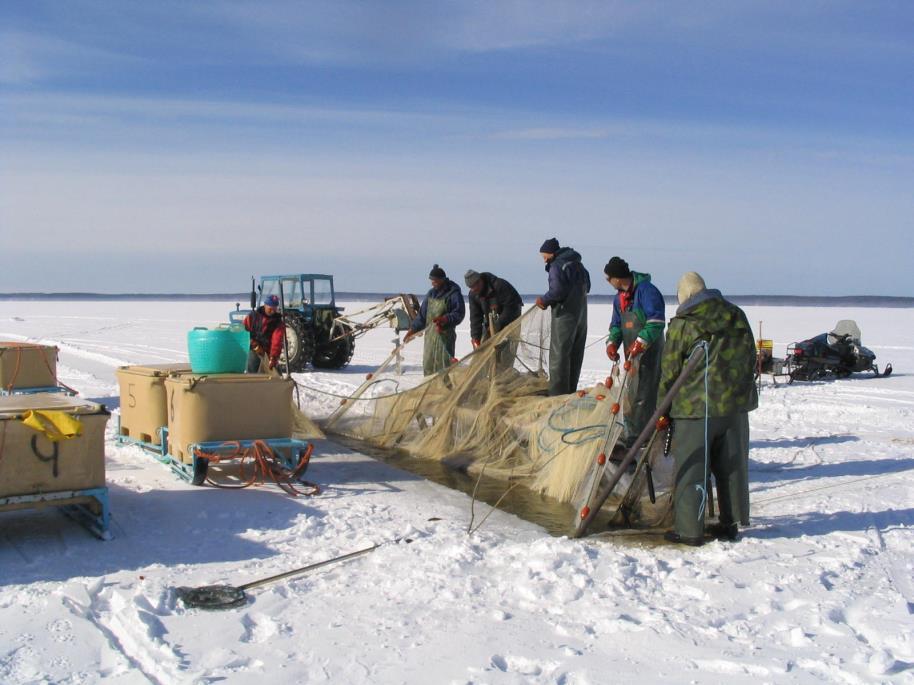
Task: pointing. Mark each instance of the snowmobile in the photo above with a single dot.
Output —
(836, 354)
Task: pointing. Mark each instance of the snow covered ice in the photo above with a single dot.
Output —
(819, 589)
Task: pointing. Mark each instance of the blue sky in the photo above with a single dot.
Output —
(174, 146)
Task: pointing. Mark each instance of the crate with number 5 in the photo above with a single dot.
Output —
(143, 409)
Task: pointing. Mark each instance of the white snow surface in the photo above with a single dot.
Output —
(818, 590)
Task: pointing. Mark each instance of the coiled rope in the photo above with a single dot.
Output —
(264, 463)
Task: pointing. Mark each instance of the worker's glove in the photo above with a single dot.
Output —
(258, 350)
(540, 303)
(273, 362)
(440, 322)
(636, 349)
(409, 336)
(612, 351)
(476, 343)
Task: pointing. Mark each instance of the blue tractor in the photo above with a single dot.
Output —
(313, 334)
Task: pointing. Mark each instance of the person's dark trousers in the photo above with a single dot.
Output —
(725, 462)
(566, 346)
(645, 400)
(253, 365)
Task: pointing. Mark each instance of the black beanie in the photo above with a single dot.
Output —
(617, 268)
(437, 272)
(551, 246)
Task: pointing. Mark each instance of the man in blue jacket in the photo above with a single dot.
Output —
(441, 311)
(639, 314)
(569, 284)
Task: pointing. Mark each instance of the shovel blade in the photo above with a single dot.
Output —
(212, 597)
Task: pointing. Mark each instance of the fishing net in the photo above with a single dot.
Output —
(489, 414)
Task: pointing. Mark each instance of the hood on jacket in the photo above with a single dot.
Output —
(563, 256)
(710, 308)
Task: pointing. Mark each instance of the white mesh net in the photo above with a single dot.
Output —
(489, 414)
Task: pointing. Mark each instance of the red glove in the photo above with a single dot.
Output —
(273, 362)
(636, 349)
(540, 303)
(476, 343)
(440, 322)
(612, 351)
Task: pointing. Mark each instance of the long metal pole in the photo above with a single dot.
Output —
(646, 433)
(282, 322)
(319, 564)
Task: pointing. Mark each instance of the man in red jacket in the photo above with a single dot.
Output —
(265, 326)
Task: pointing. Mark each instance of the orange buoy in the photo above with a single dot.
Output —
(601, 458)
(615, 408)
(601, 397)
(608, 382)
(585, 512)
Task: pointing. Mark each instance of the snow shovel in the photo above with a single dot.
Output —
(217, 597)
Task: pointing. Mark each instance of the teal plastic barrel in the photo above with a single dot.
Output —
(218, 350)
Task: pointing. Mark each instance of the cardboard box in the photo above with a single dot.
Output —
(225, 407)
(30, 464)
(143, 403)
(26, 365)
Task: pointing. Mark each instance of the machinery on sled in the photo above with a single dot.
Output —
(836, 354)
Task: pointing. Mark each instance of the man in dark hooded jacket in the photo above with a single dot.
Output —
(709, 415)
(569, 283)
(494, 303)
(441, 311)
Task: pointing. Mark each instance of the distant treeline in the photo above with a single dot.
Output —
(748, 300)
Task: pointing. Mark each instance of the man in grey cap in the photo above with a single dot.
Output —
(710, 412)
(494, 303)
(569, 283)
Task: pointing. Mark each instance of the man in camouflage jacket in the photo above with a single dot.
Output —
(729, 375)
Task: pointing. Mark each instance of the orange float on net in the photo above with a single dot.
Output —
(608, 382)
(615, 408)
(585, 512)
(342, 402)
(627, 365)
(581, 393)
(601, 397)
(369, 376)
(601, 458)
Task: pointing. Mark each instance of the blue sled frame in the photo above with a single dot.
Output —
(288, 449)
(95, 519)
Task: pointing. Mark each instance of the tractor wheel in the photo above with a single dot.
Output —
(336, 354)
(300, 341)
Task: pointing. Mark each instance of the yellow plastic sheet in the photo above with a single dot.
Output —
(54, 425)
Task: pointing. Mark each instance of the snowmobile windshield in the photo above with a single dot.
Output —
(846, 329)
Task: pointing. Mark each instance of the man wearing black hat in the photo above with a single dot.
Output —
(494, 303)
(441, 311)
(639, 314)
(569, 284)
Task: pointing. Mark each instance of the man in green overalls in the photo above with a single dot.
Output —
(639, 313)
(710, 420)
(441, 311)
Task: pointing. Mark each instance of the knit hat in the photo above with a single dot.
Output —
(271, 301)
(617, 268)
(690, 284)
(437, 272)
(551, 246)
(471, 278)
